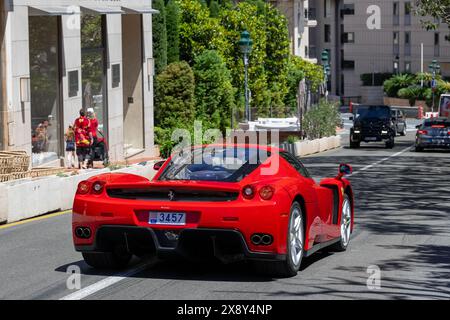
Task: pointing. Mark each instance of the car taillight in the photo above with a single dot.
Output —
(84, 187)
(97, 187)
(248, 192)
(424, 132)
(266, 192)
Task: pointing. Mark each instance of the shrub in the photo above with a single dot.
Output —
(321, 120)
(397, 82)
(375, 79)
(213, 91)
(174, 98)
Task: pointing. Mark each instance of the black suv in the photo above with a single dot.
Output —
(372, 124)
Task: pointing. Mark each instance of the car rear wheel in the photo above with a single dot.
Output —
(295, 248)
(390, 143)
(419, 149)
(346, 225)
(107, 260)
(403, 133)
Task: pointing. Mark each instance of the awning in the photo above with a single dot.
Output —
(49, 11)
(101, 10)
(139, 10)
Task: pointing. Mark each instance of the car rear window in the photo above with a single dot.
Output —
(229, 164)
(437, 123)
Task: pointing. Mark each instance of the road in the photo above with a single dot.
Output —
(402, 226)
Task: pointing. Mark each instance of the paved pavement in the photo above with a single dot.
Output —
(402, 226)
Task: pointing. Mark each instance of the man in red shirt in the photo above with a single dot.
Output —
(83, 138)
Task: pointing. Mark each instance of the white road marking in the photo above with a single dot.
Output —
(107, 282)
(380, 161)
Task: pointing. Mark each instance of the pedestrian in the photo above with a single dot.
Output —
(82, 139)
(93, 126)
(70, 147)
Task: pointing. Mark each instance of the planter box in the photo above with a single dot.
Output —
(402, 102)
(308, 147)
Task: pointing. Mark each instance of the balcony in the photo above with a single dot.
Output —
(311, 17)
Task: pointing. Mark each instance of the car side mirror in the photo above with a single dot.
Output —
(158, 165)
(351, 118)
(418, 126)
(344, 170)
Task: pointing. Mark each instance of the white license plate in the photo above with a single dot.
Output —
(438, 141)
(167, 218)
(371, 139)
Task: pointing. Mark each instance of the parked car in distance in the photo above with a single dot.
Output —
(399, 120)
(433, 134)
(372, 123)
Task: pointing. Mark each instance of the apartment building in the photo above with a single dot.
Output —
(373, 37)
(301, 19)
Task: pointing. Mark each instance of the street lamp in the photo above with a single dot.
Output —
(245, 43)
(435, 68)
(326, 68)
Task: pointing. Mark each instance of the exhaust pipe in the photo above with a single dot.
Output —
(83, 232)
(256, 239)
(266, 239)
(262, 239)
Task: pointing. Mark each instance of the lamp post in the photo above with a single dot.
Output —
(245, 43)
(435, 68)
(326, 69)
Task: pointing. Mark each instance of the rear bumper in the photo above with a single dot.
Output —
(367, 137)
(194, 244)
(428, 143)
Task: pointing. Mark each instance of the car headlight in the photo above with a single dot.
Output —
(357, 131)
(384, 132)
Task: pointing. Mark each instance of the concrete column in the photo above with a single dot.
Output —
(71, 61)
(17, 67)
(115, 95)
(149, 142)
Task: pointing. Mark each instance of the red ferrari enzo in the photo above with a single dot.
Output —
(235, 202)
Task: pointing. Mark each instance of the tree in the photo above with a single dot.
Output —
(198, 31)
(277, 57)
(173, 31)
(159, 36)
(214, 9)
(214, 92)
(434, 8)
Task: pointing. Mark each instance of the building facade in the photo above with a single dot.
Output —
(301, 19)
(374, 37)
(60, 56)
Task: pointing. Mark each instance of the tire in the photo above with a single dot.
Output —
(403, 133)
(291, 266)
(390, 144)
(346, 223)
(354, 144)
(107, 260)
(418, 149)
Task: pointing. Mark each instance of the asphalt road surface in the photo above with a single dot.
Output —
(402, 227)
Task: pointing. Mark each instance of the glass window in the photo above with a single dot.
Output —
(408, 66)
(227, 164)
(327, 33)
(295, 163)
(349, 9)
(45, 89)
(93, 66)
